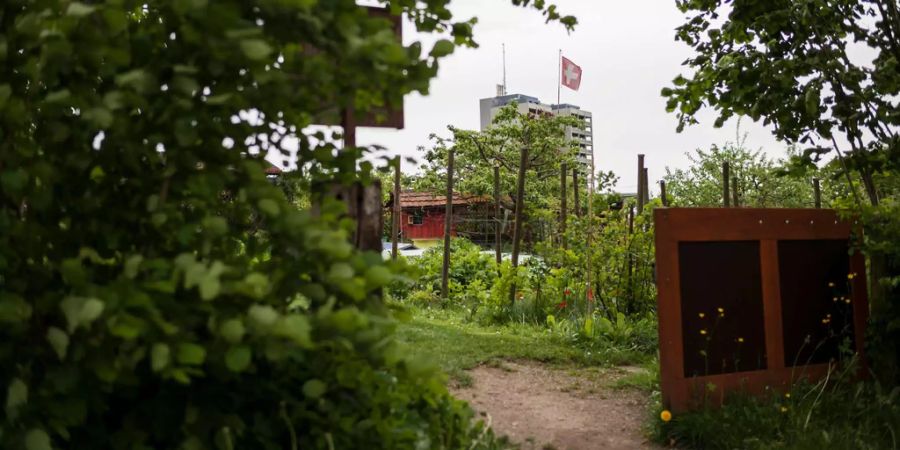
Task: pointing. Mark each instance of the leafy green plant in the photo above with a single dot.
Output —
(156, 289)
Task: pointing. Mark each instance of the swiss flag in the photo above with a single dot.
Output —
(571, 74)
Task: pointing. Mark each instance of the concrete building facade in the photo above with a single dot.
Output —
(583, 135)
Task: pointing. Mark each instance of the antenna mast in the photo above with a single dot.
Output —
(504, 69)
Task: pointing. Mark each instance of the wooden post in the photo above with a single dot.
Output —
(448, 222)
(817, 190)
(576, 202)
(364, 206)
(725, 178)
(646, 187)
(563, 213)
(395, 215)
(497, 224)
(348, 123)
(517, 227)
(629, 289)
(662, 193)
(734, 192)
(640, 182)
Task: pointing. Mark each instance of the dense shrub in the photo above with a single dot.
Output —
(156, 290)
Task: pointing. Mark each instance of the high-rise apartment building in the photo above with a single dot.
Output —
(583, 135)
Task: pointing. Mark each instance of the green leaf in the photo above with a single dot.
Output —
(5, 93)
(37, 439)
(232, 330)
(215, 225)
(81, 311)
(314, 388)
(237, 359)
(16, 397)
(13, 309)
(256, 49)
(262, 316)
(340, 272)
(78, 9)
(295, 328)
(269, 207)
(378, 276)
(442, 48)
(59, 340)
(160, 355)
(191, 354)
(132, 266)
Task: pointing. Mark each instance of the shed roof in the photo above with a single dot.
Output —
(417, 199)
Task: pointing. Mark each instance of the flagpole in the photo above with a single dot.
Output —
(559, 78)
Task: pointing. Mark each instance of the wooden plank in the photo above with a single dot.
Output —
(771, 288)
(448, 224)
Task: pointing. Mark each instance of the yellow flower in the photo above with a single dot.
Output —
(851, 276)
(701, 315)
(787, 395)
(847, 301)
(834, 299)
(703, 332)
(741, 340)
(721, 311)
(665, 415)
(784, 409)
(830, 284)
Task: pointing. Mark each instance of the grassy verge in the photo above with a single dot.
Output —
(830, 414)
(446, 339)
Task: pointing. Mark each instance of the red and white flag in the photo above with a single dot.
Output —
(571, 74)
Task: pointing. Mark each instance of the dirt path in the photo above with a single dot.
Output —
(543, 408)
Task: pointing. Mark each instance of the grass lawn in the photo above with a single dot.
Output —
(446, 339)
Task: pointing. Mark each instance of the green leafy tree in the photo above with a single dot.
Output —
(156, 290)
(758, 180)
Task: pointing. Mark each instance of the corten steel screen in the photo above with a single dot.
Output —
(751, 299)
(721, 307)
(816, 311)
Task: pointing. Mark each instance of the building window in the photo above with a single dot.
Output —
(416, 218)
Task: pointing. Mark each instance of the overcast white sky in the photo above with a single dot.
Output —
(628, 53)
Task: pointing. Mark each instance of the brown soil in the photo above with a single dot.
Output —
(544, 408)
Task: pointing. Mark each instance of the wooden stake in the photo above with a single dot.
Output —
(817, 190)
(640, 182)
(646, 187)
(563, 213)
(734, 192)
(497, 224)
(662, 193)
(577, 204)
(725, 178)
(348, 123)
(395, 215)
(448, 222)
(517, 226)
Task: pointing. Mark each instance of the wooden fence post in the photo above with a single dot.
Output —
(817, 191)
(734, 192)
(662, 193)
(646, 187)
(448, 223)
(395, 215)
(640, 182)
(726, 176)
(563, 213)
(517, 226)
(575, 195)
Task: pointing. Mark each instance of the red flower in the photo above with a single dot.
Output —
(568, 291)
(562, 305)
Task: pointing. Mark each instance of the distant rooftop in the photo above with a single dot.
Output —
(565, 106)
(504, 100)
